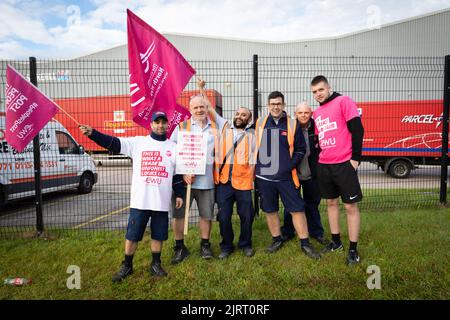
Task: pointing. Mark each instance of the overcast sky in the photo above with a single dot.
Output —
(68, 29)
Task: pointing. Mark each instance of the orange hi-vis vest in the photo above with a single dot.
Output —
(242, 173)
(291, 127)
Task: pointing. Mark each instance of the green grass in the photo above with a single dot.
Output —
(409, 246)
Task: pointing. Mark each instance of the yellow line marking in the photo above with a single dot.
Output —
(101, 217)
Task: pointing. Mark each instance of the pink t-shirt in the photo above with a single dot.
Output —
(331, 125)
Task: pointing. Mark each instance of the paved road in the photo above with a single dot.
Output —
(423, 177)
(107, 206)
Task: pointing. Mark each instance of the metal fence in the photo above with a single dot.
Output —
(95, 93)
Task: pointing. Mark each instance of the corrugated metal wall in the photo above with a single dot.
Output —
(425, 36)
(226, 65)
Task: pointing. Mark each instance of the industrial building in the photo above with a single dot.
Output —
(397, 61)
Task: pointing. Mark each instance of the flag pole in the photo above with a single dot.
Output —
(72, 118)
(186, 212)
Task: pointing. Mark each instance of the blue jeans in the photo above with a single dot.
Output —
(226, 197)
(311, 196)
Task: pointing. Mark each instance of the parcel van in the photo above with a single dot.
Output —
(64, 164)
(400, 135)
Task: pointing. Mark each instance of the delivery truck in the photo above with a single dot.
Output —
(400, 135)
(64, 164)
(112, 115)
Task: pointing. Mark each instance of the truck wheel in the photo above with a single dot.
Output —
(400, 169)
(86, 183)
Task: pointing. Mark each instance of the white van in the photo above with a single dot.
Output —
(64, 164)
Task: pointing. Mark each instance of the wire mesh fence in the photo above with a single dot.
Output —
(400, 103)
(96, 93)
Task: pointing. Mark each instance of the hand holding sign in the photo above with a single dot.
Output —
(190, 160)
(188, 179)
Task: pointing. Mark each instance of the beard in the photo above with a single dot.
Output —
(240, 125)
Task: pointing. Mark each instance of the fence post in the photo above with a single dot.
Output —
(445, 115)
(255, 116)
(37, 161)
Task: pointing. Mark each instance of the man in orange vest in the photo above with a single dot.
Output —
(234, 182)
(280, 149)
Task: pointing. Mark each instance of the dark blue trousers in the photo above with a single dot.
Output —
(311, 196)
(226, 196)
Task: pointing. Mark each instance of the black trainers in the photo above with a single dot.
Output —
(353, 257)
(332, 247)
(205, 251)
(225, 254)
(248, 251)
(180, 254)
(124, 272)
(310, 252)
(321, 240)
(157, 270)
(276, 245)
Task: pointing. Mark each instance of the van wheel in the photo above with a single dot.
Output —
(400, 169)
(86, 183)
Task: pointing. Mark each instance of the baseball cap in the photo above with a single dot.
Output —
(159, 114)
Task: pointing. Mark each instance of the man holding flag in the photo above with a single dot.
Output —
(157, 74)
(151, 188)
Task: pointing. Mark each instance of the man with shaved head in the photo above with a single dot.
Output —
(307, 173)
(234, 183)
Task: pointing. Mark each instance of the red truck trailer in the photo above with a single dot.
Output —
(112, 115)
(399, 135)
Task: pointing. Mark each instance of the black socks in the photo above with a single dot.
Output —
(337, 240)
(277, 239)
(129, 260)
(336, 237)
(305, 242)
(156, 257)
(179, 243)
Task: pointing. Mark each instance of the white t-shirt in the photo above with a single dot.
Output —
(153, 170)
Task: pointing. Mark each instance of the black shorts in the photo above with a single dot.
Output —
(339, 179)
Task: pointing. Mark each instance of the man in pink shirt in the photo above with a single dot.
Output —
(340, 132)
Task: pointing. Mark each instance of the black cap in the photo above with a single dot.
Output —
(159, 114)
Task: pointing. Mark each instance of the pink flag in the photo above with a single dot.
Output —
(27, 110)
(158, 74)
